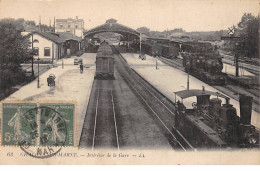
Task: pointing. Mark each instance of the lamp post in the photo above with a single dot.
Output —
(36, 41)
(180, 50)
(156, 63)
(236, 58)
(140, 45)
(188, 81)
(38, 81)
(32, 57)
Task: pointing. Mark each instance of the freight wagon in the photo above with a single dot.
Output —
(161, 47)
(104, 63)
(169, 51)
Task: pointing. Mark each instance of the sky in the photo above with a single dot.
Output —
(158, 15)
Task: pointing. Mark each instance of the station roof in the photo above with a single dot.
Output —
(68, 36)
(56, 37)
(50, 36)
(190, 93)
(112, 26)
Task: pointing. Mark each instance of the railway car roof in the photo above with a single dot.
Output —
(104, 55)
(158, 38)
(190, 93)
(189, 41)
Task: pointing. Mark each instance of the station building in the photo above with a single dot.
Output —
(49, 46)
(73, 26)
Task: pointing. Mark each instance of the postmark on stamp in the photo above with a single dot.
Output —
(41, 130)
(57, 124)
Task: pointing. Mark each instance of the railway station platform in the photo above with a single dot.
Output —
(70, 85)
(169, 80)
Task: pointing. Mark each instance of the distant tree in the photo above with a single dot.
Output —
(176, 30)
(13, 51)
(30, 23)
(249, 26)
(45, 27)
(143, 30)
(20, 20)
(246, 18)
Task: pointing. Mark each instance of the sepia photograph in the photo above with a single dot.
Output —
(136, 82)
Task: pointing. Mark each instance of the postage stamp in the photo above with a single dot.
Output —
(43, 124)
(39, 129)
(57, 124)
(19, 123)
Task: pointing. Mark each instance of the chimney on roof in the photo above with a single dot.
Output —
(54, 25)
(76, 17)
(40, 28)
(111, 21)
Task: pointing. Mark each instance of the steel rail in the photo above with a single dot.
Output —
(95, 124)
(113, 105)
(156, 97)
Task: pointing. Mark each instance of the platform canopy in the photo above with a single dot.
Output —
(111, 25)
(189, 93)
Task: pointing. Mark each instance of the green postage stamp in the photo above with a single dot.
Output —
(38, 124)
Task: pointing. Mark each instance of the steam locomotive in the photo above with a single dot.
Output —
(206, 67)
(212, 125)
(199, 58)
(203, 62)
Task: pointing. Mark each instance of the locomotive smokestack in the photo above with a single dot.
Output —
(245, 109)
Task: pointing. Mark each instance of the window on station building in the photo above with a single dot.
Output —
(68, 26)
(61, 25)
(36, 51)
(47, 51)
(76, 26)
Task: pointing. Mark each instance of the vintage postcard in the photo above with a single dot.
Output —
(151, 82)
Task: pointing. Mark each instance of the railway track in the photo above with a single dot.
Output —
(101, 128)
(99, 113)
(178, 64)
(252, 67)
(162, 109)
(244, 60)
